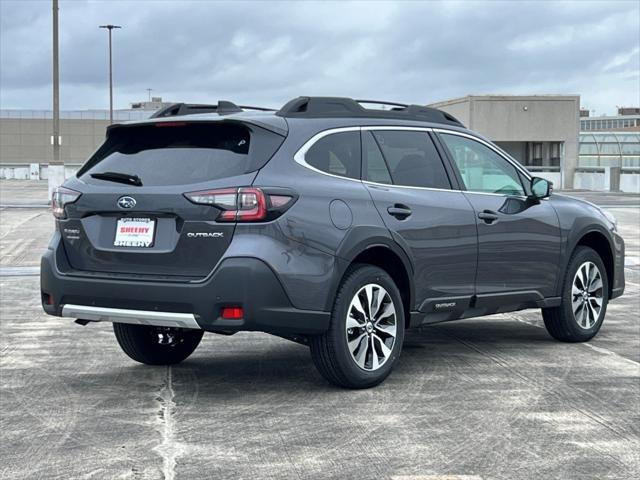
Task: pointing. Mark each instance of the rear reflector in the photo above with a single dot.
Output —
(232, 313)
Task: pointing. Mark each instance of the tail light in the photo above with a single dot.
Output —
(245, 204)
(62, 197)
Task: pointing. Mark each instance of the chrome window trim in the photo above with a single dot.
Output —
(387, 185)
(521, 197)
(302, 151)
(396, 127)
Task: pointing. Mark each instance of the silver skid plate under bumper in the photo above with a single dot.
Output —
(136, 317)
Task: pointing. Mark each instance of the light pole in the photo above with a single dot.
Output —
(55, 170)
(110, 27)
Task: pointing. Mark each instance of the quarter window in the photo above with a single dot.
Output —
(412, 159)
(337, 154)
(482, 169)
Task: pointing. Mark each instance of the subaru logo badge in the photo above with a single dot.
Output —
(126, 202)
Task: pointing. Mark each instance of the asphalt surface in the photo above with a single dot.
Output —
(492, 398)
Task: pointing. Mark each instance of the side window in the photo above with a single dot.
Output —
(412, 158)
(374, 168)
(482, 169)
(337, 153)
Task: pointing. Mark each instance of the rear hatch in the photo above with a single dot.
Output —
(133, 218)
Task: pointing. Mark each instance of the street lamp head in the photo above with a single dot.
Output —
(110, 27)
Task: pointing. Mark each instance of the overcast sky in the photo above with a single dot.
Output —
(264, 53)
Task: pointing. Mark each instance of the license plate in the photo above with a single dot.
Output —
(135, 232)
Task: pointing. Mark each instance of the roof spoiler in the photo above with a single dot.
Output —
(223, 107)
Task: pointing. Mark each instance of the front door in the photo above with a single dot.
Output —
(518, 237)
(411, 189)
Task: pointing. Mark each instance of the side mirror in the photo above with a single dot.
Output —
(541, 188)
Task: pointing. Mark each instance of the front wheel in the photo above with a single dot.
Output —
(366, 331)
(156, 345)
(585, 296)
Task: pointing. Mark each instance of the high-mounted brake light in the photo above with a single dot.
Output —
(170, 124)
(61, 197)
(244, 204)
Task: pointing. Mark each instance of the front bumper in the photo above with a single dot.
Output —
(237, 281)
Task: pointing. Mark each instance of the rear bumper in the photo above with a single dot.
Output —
(136, 317)
(238, 281)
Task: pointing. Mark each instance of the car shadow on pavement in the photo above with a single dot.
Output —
(226, 372)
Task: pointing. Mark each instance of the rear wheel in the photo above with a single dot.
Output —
(366, 332)
(584, 299)
(156, 345)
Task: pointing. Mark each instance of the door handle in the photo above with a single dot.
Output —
(399, 211)
(489, 216)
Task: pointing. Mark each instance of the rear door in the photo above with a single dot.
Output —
(148, 227)
(518, 238)
(412, 191)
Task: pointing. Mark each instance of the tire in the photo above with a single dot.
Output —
(156, 345)
(578, 319)
(331, 352)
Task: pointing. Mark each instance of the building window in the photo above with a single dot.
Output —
(536, 152)
(555, 152)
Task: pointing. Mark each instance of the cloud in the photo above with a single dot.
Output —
(268, 52)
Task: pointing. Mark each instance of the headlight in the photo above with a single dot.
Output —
(611, 219)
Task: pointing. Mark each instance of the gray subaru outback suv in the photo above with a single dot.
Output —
(326, 223)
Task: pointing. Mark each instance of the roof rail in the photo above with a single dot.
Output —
(223, 107)
(379, 102)
(323, 107)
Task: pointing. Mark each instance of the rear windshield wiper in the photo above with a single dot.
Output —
(118, 177)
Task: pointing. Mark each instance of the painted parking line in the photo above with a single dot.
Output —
(601, 350)
(631, 261)
(19, 271)
(25, 205)
(623, 205)
(436, 477)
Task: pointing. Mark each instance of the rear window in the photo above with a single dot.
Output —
(182, 153)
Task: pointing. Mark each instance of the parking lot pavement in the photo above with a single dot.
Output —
(23, 192)
(482, 398)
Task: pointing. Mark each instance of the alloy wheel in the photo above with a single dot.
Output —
(371, 327)
(587, 295)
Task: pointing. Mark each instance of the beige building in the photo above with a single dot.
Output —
(26, 140)
(540, 131)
